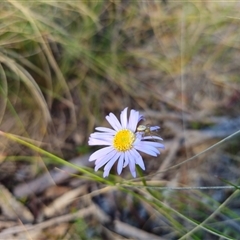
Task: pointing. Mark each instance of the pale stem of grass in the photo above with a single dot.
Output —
(54, 157)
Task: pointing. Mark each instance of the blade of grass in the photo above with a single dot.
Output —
(54, 157)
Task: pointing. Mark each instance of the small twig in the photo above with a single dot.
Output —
(50, 178)
(168, 160)
(132, 232)
(49, 223)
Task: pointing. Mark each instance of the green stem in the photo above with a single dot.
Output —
(54, 157)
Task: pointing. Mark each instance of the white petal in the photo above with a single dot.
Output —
(151, 148)
(113, 121)
(127, 157)
(140, 118)
(104, 129)
(106, 138)
(120, 164)
(101, 135)
(123, 118)
(126, 162)
(132, 167)
(133, 120)
(100, 153)
(98, 142)
(109, 165)
(154, 144)
(114, 159)
(102, 161)
(145, 144)
(140, 162)
(138, 158)
(146, 149)
(154, 128)
(152, 138)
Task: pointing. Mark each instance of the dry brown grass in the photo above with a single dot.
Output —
(65, 65)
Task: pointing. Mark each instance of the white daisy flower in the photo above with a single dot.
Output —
(123, 143)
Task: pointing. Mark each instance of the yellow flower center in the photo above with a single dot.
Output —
(123, 140)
